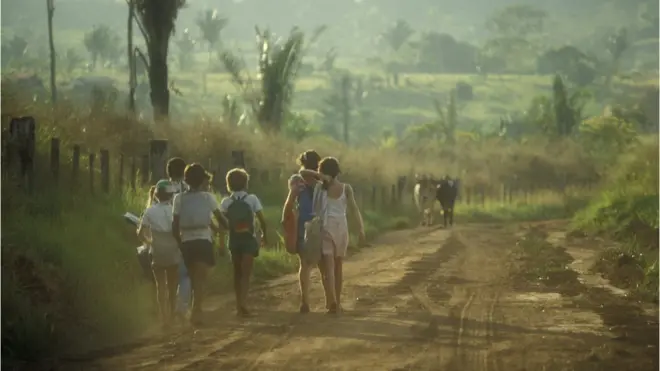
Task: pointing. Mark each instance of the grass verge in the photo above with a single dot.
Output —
(627, 210)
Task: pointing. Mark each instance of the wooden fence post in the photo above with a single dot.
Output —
(75, 166)
(361, 193)
(401, 186)
(254, 175)
(120, 180)
(383, 197)
(373, 197)
(393, 198)
(133, 174)
(144, 170)
(105, 171)
(92, 157)
(22, 133)
(238, 158)
(55, 158)
(158, 153)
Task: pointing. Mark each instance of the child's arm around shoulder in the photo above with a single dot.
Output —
(315, 174)
(217, 211)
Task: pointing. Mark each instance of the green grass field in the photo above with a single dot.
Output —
(390, 107)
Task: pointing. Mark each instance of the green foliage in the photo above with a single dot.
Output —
(102, 43)
(505, 53)
(298, 127)
(186, 46)
(72, 61)
(211, 25)
(398, 34)
(56, 262)
(279, 65)
(517, 20)
(515, 31)
(627, 209)
(13, 49)
(565, 117)
(442, 53)
(607, 136)
(570, 62)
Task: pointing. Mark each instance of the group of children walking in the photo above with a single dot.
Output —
(179, 229)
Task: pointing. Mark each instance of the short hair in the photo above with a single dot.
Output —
(194, 175)
(175, 168)
(329, 166)
(237, 180)
(309, 160)
(163, 196)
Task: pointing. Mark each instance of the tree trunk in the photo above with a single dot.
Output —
(158, 79)
(51, 43)
(131, 60)
(346, 107)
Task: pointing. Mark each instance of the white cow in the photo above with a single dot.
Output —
(424, 196)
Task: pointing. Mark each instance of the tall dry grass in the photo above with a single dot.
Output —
(67, 238)
(537, 163)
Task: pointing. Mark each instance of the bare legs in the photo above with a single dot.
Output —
(303, 279)
(242, 273)
(167, 280)
(333, 279)
(198, 273)
(304, 273)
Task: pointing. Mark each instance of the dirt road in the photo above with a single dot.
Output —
(459, 299)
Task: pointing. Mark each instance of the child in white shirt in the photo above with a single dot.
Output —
(193, 211)
(155, 230)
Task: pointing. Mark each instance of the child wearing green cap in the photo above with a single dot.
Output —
(155, 230)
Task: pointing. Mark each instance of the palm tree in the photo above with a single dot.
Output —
(50, 7)
(277, 71)
(211, 24)
(186, 46)
(156, 18)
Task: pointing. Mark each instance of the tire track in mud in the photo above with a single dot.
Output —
(473, 310)
(224, 359)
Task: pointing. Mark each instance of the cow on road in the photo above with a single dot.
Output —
(424, 195)
(446, 193)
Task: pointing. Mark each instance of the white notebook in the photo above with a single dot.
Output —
(132, 218)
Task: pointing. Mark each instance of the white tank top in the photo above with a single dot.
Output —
(336, 208)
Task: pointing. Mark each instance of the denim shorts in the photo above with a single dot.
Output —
(198, 251)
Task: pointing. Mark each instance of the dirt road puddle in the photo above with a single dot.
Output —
(538, 297)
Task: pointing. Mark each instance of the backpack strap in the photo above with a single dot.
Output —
(233, 197)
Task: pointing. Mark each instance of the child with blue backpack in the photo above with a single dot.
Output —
(240, 210)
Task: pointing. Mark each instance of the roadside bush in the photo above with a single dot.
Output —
(627, 209)
(464, 91)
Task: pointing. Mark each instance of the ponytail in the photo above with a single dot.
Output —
(152, 192)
